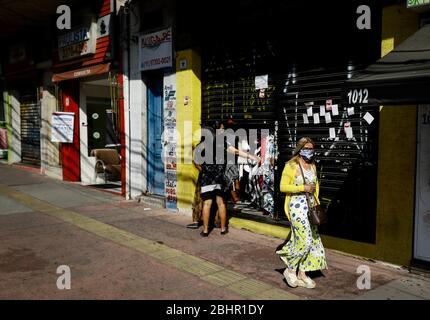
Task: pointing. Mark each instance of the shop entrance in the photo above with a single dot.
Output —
(99, 147)
(155, 129)
(99, 124)
(422, 211)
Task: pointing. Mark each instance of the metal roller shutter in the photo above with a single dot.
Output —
(238, 98)
(347, 166)
(30, 130)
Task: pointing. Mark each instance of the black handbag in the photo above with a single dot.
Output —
(317, 215)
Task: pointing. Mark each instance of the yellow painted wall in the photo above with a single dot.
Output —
(396, 183)
(188, 84)
(397, 150)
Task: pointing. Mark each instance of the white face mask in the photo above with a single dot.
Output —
(307, 155)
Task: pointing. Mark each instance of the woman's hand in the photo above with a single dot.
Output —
(254, 158)
(309, 188)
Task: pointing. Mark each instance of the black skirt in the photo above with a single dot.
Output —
(212, 174)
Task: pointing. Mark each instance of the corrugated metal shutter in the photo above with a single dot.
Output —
(347, 166)
(238, 98)
(30, 130)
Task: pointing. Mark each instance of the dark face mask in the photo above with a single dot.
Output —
(307, 155)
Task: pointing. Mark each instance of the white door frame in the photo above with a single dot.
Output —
(422, 194)
(88, 163)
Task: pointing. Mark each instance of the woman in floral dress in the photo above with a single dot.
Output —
(304, 251)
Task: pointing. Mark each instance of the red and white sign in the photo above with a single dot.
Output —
(156, 50)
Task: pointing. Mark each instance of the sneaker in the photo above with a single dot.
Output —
(224, 232)
(291, 278)
(194, 225)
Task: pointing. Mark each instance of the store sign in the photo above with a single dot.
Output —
(156, 50)
(77, 43)
(80, 73)
(62, 127)
(417, 3)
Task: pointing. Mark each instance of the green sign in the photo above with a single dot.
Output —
(417, 3)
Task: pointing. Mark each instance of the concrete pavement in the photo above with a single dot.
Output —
(119, 249)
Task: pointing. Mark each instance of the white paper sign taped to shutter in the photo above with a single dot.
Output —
(369, 118)
(316, 118)
(305, 119)
(261, 82)
(332, 133)
(335, 110)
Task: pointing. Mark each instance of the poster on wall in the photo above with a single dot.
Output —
(170, 160)
(155, 50)
(62, 127)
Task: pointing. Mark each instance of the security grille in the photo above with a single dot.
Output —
(30, 130)
(346, 146)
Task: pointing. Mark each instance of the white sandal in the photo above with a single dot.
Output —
(306, 283)
(291, 278)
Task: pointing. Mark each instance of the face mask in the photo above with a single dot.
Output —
(307, 155)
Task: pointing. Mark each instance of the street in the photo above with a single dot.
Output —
(118, 249)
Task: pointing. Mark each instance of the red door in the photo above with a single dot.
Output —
(71, 151)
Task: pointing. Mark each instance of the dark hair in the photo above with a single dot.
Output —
(214, 125)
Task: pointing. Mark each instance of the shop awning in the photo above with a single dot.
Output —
(400, 77)
(83, 72)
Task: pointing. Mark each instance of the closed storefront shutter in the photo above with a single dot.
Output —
(346, 145)
(346, 139)
(229, 95)
(30, 130)
(236, 98)
(310, 66)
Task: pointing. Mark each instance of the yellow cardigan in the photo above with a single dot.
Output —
(287, 184)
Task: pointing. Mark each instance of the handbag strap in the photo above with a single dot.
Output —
(304, 182)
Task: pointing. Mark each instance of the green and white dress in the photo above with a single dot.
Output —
(304, 250)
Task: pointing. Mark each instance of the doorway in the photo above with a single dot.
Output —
(422, 200)
(155, 130)
(98, 130)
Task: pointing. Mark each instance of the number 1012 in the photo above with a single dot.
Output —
(358, 96)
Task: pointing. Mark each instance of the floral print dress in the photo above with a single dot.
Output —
(304, 250)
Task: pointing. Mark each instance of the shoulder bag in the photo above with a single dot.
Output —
(317, 215)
